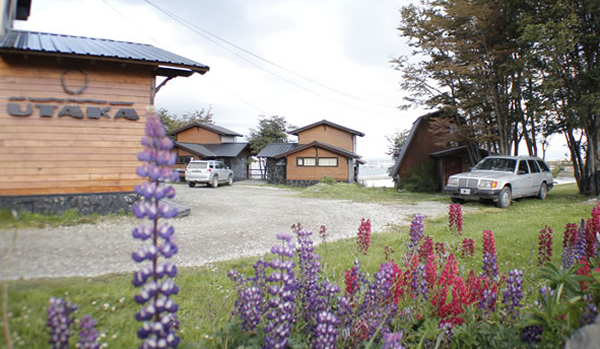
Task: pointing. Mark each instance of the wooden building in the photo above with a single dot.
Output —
(323, 148)
(200, 141)
(72, 113)
(421, 152)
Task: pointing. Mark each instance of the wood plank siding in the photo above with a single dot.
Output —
(198, 135)
(295, 172)
(419, 149)
(58, 155)
(329, 135)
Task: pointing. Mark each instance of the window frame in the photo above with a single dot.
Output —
(337, 161)
(301, 161)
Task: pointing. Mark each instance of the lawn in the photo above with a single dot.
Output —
(207, 295)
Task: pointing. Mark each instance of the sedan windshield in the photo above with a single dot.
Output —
(496, 164)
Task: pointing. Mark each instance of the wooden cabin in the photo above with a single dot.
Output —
(323, 148)
(72, 113)
(200, 141)
(423, 153)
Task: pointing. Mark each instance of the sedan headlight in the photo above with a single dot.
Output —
(487, 184)
(453, 182)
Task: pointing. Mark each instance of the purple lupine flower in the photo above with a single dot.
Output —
(446, 332)
(344, 312)
(159, 326)
(325, 331)
(532, 334)
(512, 295)
(308, 276)
(251, 293)
(88, 336)
(281, 288)
(590, 311)
(392, 340)
(416, 231)
(488, 301)
(60, 318)
(568, 258)
(423, 285)
(378, 307)
(490, 265)
(580, 243)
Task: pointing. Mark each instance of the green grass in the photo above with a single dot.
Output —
(357, 193)
(35, 220)
(206, 297)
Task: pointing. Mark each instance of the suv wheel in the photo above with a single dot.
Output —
(215, 182)
(230, 180)
(543, 191)
(191, 184)
(505, 198)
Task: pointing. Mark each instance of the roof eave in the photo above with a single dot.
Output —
(154, 64)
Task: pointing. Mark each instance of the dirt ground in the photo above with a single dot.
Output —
(224, 223)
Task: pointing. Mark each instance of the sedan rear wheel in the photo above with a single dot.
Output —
(215, 182)
(191, 184)
(505, 198)
(543, 191)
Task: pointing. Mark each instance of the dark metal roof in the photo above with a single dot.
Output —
(103, 49)
(216, 150)
(210, 127)
(227, 149)
(325, 146)
(274, 149)
(197, 149)
(328, 123)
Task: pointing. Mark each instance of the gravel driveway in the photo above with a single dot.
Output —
(225, 223)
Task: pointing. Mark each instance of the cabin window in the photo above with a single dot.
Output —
(328, 162)
(306, 162)
(184, 159)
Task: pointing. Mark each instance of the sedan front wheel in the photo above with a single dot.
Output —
(505, 198)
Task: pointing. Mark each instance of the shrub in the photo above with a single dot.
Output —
(420, 180)
(327, 179)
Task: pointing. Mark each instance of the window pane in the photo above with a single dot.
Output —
(300, 162)
(328, 162)
(309, 162)
(543, 166)
(533, 166)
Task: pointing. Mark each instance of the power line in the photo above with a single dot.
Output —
(205, 33)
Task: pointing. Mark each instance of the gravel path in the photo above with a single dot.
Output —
(224, 223)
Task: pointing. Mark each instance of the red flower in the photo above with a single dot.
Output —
(545, 246)
(363, 237)
(425, 250)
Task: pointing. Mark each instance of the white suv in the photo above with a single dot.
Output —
(209, 172)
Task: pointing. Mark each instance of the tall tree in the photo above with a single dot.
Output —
(395, 143)
(472, 65)
(272, 129)
(565, 35)
(172, 121)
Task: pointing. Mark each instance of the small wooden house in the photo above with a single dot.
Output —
(323, 148)
(199, 141)
(72, 113)
(422, 152)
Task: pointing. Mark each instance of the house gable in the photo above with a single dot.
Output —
(311, 171)
(330, 133)
(198, 135)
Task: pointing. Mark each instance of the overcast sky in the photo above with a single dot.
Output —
(335, 56)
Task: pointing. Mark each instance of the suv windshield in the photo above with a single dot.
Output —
(496, 164)
(200, 165)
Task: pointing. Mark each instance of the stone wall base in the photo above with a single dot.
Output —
(85, 204)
